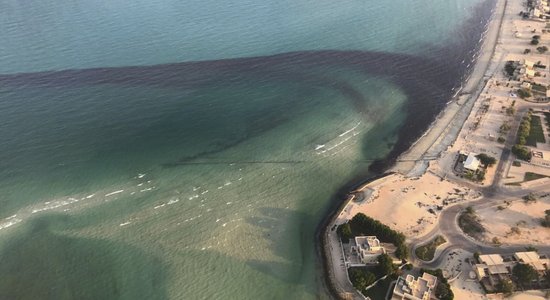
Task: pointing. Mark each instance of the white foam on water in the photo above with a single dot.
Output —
(124, 224)
(172, 201)
(141, 175)
(228, 202)
(217, 220)
(55, 204)
(140, 184)
(90, 196)
(114, 193)
(159, 206)
(9, 223)
(350, 130)
(145, 190)
(204, 192)
(220, 187)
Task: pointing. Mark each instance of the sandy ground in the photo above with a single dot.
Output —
(410, 205)
(459, 270)
(516, 174)
(471, 123)
(531, 295)
(517, 222)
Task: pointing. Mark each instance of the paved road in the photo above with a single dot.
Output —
(493, 195)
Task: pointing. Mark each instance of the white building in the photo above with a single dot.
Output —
(414, 289)
(471, 163)
(367, 248)
(532, 258)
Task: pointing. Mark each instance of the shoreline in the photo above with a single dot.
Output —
(439, 135)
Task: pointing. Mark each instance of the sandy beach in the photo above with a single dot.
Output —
(409, 205)
(424, 183)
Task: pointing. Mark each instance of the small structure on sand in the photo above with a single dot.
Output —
(471, 163)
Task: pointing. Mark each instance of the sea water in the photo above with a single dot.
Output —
(190, 149)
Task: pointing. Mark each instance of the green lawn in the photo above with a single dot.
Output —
(380, 289)
(536, 134)
(532, 176)
(427, 251)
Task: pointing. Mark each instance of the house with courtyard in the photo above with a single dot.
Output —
(493, 268)
(365, 250)
(412, 288)
(532, 258)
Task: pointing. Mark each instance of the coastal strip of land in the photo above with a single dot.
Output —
(440, 135)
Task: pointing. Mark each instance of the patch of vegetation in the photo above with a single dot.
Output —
(532, 176)
(361, 278)
(539, 88)
(534, 42)
(515, 230)
(426, 252)
(501, 140)
(380, 289)
(526, 51)
(509, 68)
(531, 248)
(521, 152)
(385, 266)
(504, 128)
(542, 49)
(524, 129)
(443, 289)
(475, 176)
(344, 232)
(469, 222)
(364, 225)
(536, 134)
(524, 93)
(524, 274)
(546, 220)
(486, 159)
(529, 198)
(506, 287)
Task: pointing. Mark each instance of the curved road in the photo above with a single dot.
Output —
(494, 195)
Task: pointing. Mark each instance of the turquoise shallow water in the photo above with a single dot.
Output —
(202, 180)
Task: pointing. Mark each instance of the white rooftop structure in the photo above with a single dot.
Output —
(414, 289)
(532, 258)
(490, 264)
(491, 259)
(368, 249)
(471, 163)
